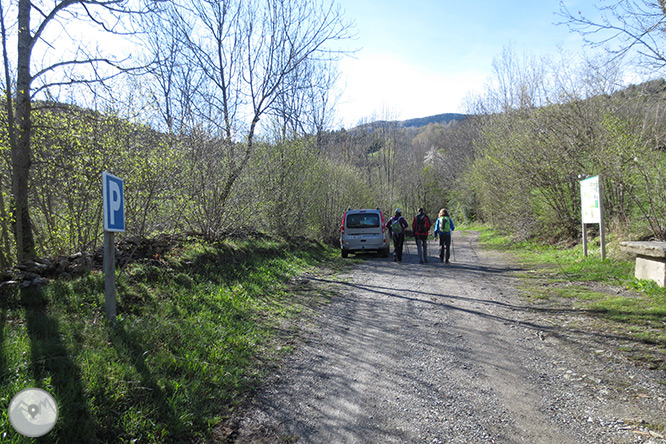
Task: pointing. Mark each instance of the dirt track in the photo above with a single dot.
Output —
(411, 353)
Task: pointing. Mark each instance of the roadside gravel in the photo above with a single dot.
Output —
(434, 353)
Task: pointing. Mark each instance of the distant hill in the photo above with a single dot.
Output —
(442, 119)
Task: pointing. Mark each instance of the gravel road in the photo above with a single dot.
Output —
(434, 353)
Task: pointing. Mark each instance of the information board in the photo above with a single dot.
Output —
(590, 200)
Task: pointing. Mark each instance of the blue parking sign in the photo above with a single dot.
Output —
(114, 203)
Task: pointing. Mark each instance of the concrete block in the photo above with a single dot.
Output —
(645, 248)
(650, 259)
(651, 268)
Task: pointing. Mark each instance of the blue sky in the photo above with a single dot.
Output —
(423, 57)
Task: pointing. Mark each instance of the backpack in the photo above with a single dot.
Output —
(444, 225)
(421, 223)
(396, 228)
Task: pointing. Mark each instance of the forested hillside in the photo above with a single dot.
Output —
(245, 142)
(441, 119)
(529, 161)
(517, 162)
(292, 187)
(206, 122)
(518, 170)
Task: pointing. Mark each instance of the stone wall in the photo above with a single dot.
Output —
(40, 271)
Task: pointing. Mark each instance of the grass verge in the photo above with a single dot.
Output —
(195, 331)
(606, 291)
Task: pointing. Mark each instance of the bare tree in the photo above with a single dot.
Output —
(174, 77)
(306, 108)
(41, 31)
(624, 26)
(518, 82)
(255, 57)
(319, 100)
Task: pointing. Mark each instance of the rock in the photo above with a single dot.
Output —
(645, 248)
(33, 267)
(44, 261)
(61, 265)
(39, 281)
(29, 276)
(6, 285)
(80, 263)
(76, 268)
(7, 275)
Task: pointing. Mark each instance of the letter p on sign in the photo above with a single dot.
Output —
(114, 203)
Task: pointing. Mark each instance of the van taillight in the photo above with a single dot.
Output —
(342, 226)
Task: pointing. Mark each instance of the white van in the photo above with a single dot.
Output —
(363, 230)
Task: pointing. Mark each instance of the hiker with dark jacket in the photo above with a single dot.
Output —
(443, 228)
(397, 226)
(421, 227)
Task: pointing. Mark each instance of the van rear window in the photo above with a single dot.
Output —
(363, 220)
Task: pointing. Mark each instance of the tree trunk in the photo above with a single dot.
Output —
(5, 253)
(21, 159)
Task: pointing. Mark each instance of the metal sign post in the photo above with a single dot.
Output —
(114, 221)
(110, 275)
(592, 212)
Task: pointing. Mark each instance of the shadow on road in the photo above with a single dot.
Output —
(475, 273)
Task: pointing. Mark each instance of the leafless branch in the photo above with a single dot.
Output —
(623, 27)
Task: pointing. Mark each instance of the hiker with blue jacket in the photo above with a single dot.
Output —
(443, 228)
(397, 226)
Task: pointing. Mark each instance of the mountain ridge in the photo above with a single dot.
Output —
(444, 118)
(419, 122)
